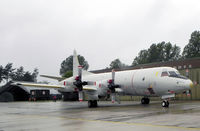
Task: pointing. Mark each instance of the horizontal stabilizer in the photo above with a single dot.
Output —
(37, 85)
(53, 77)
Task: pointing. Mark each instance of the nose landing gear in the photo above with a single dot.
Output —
(165, 103)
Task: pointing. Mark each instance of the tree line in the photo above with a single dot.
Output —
(8, 73)
(157, 52)
(163, 51)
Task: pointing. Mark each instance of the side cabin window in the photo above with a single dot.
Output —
(164, 73)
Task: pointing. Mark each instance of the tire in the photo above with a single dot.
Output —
(95, 103)
(89, 103)
(147, 100)
(143, 101)
(92, 103)
(165, 104)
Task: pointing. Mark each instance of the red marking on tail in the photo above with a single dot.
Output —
(172, 92)
(77, 78)
(110, 81)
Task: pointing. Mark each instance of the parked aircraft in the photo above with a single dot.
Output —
(162, 82)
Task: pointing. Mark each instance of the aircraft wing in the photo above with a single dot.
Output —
(38, 85)
(89, 88)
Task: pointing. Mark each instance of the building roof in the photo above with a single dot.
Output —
(178, 64)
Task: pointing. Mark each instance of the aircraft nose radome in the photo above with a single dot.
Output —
(191, 84)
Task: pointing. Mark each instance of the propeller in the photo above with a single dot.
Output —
(112, 86)
(79, 84)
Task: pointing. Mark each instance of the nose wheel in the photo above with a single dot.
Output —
(165, 103)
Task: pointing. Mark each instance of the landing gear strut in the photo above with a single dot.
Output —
(165, 103)
(92, 103)
(145, 100)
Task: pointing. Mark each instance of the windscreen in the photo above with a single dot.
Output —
(176, 75)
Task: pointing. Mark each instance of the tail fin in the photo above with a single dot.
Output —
(76, 64)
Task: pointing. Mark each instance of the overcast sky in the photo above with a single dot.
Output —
(42, 33)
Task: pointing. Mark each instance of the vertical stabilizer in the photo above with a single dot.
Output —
(75, 64)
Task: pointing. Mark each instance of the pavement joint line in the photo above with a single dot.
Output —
(115, 122)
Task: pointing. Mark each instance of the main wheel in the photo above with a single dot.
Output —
(95, 103)
(92, 103)
(145, 100)
(89, 103)
(165, 103)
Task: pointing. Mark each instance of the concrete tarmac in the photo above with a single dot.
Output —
(129, 115)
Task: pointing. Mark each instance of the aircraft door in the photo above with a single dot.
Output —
(141, 83)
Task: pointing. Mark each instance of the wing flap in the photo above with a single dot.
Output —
(90, 88)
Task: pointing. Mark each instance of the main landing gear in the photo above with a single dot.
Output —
(145, 101)
(165, 103)
(92, 103)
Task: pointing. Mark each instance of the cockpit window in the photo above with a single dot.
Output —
(177, 75)
(164, 73)
(172, 74)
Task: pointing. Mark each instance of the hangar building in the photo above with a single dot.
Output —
(11, 92)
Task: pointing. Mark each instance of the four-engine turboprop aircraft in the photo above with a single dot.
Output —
(162, 82)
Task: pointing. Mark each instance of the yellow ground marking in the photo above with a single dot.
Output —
(114, 122)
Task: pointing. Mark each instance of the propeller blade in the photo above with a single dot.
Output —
(113, 75)
(113, 97)
(80, 96)
(80, 72)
